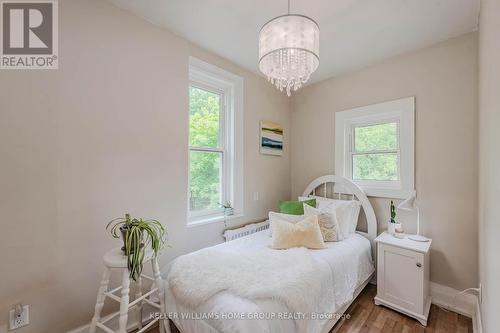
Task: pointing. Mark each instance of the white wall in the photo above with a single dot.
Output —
(104, 135)
(489, 162)
(444, 80)
(107, 134)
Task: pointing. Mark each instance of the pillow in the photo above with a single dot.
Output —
(347, 217)
(355, 209)
(347, 212)
(283, 217)
(328, 223)
(305, 233)
(295, 207)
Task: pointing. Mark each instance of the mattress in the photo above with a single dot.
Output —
(350, 262)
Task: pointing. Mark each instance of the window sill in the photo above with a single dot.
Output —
(212, 219)
(386, 192)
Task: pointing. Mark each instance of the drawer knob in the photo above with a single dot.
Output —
(419, 264)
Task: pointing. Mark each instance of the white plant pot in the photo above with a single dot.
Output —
(229, 211)
(391, 228)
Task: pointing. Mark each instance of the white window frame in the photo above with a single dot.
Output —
(230, 87)
(401, 111)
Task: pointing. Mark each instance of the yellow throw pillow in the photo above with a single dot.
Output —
(305, 233)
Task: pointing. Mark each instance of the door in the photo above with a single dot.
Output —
(402, 276)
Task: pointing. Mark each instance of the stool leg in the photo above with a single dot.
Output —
(100, 299)
(138, 294)
(124, 302)
(164, 324)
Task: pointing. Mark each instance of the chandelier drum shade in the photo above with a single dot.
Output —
(289, 50)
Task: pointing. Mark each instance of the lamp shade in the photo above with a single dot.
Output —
(409, 204)
(289, 50)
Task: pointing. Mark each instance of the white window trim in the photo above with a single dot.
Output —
(231, 87)
(402, 111)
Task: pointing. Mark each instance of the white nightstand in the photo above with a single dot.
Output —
(403, 276)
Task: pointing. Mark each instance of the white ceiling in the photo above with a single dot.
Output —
(354, 33)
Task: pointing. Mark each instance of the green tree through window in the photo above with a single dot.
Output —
(375, 155)
(206, 149)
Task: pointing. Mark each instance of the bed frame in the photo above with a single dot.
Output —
(343, 189)
(332, 187)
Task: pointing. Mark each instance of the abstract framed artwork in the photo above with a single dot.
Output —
(271, 138)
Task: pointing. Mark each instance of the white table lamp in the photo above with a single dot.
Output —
(410, 204)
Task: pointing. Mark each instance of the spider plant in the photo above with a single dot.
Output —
(138, 234)
(228, 209)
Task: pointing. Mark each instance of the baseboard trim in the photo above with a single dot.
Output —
(450, 299)
(477, 323)
(113, 324)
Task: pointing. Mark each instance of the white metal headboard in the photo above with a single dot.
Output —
(351, 190)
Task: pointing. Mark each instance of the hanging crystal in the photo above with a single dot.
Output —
(289, 51)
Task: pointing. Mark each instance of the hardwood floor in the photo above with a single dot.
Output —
(366, 317)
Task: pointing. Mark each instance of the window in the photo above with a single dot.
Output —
(374, 147)
(215, 142)
(206, 149)
(375, 155)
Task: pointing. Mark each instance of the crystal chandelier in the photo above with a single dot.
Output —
(289, 50)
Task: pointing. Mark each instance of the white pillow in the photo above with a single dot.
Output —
(282, 217)
(347, 216)
(305, 233)
(356, 208)
(342, 214)
(328, 223)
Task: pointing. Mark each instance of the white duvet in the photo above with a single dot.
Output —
(239, 303)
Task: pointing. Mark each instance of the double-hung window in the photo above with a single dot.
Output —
(374, 147)
(215, 142)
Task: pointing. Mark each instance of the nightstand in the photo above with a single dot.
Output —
(403, 276)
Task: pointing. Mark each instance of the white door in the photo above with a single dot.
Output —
(402, 277)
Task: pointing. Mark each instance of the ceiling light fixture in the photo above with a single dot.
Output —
(289, 50)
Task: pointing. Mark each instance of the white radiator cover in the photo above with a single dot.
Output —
(246, 230)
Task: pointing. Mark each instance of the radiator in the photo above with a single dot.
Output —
(249, 229)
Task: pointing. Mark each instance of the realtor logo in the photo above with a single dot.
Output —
(29, 35)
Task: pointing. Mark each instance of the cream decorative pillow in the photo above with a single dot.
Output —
(305, 233)
(283, 217)
(328, 223)
(347, 213)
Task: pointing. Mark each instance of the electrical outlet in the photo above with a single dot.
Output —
(255, 196)
(19, 320)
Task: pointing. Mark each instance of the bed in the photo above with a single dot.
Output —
(326, 281)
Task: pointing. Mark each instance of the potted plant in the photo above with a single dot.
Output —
(228, 209)
(395, 228)
(392, 223)
(138, 235)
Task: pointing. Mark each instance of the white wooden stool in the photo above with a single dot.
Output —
(115, 259)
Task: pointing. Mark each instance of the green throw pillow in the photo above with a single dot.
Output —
(295, 207)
